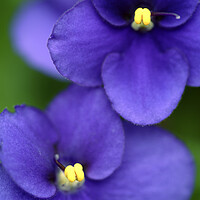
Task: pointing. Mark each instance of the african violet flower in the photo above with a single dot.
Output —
(85, 136)
(31, 28)
(144, 52)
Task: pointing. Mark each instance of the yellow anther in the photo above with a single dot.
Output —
(142, 15)
(138, 15)
(146, 16)
(70, 173)
(74, 173)
(79, 172)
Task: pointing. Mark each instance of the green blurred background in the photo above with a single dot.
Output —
(20, 84)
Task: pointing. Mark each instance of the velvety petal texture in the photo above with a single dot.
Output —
(31, 27)
(145, 84)
(82, 194)
(121, 12)
(144, 75)
(9, 190)
(156, 165)
(118, 13)
(81, 40)
(27, 152)
(187, 39)
(91, 132)
(184, 8)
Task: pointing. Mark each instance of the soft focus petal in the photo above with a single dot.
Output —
(187, 38)
(81, 40)
(184, 8)
(156, 166)
(145, 84)
(62, 5)
(27, 153)
(9, 190)
(30, 30)
(91, 132)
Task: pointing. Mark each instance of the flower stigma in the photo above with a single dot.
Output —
(69, 178)
(143, 19)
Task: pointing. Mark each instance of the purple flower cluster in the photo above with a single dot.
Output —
(143, 53)
(80, 126)
(144, 71)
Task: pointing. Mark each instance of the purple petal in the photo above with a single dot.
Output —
(187, 39)
(155, 165)
(62, 5)
(27, 153)
(81, 194)
(81, 40)
(118, 12)
(91, 132)
(184, 8)
(9, 190)
(145, 84)
(30, 30)
(121, 12)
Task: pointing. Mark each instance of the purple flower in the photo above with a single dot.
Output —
(31, 28)
(81, 127)
(144, 58)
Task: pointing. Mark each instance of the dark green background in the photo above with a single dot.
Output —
(20, 84)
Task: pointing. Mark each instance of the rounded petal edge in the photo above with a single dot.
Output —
(156, 165)
(85, 118)
(145, 91)
(27, 138)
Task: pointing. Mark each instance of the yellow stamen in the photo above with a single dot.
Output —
(79, 172)
(146, 16)
(70, 173)
(74, 173)
(142, 15)
(138, 15)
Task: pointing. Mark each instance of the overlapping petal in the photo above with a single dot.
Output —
(145, 84)
(118, 13)
(30, 30)
(9, 190)
(81, 40)
(91, 131)
(187, 39)
(121, 12)
(155, 165)
(184, 8)
(27, 152)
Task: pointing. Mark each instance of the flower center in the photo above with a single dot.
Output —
(69, 178)
(143, 19)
